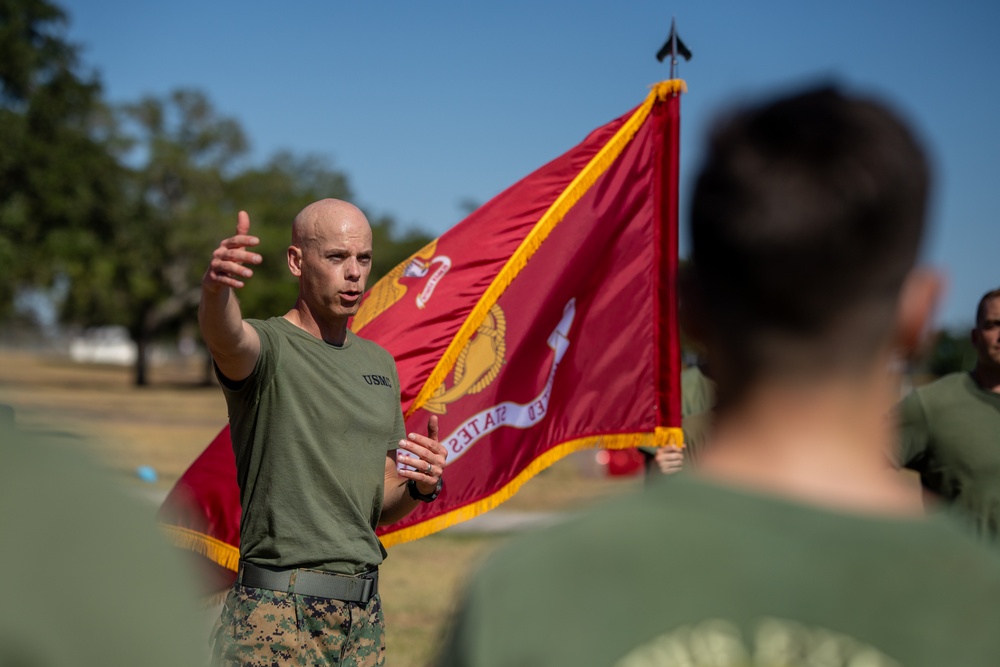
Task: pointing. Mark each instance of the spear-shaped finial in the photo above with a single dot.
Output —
(674, 47)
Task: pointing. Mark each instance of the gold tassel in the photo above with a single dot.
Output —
(671, 436)
(664, 89)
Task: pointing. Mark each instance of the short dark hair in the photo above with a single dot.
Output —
(807, 216)
(981, 308)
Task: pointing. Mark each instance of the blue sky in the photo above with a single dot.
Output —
(425, 104)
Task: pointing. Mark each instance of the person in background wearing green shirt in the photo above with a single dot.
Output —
(316, 423)
(791, 544)
(697, 399)
(86, 579)
(950, 430)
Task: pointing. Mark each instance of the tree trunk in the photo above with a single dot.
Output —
(152, 319)
(209, 378)
(141, 334)
(141, 358)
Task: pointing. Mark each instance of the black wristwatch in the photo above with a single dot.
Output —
(411, 486)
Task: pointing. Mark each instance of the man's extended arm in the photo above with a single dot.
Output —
(233, 343)
(423, 453)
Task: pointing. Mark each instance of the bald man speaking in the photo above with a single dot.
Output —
(316, 449)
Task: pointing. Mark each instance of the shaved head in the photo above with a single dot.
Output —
(331, 255)
(315, 222)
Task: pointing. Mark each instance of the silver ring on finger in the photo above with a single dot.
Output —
(429, 467)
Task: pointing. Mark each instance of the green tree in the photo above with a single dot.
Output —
(60, 186)
(951, 351)
(146, 274)
(123, 206)
(183, 192)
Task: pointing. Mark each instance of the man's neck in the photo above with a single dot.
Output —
(825, 444)
(330, 330)
(987, 378)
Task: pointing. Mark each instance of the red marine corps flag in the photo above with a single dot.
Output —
(542, 324)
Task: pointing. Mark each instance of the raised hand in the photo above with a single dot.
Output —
(227, 266)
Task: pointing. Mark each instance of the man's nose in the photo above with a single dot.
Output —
(352, 269)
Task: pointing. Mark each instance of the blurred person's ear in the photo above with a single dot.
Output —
(918, 300)
(976, 336)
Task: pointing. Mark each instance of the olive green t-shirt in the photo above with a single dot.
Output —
(693, 574)
(310, 428)
(697, 401)
(86, 580)
(950, 434)
(697, 392)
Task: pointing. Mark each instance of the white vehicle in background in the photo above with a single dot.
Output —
(103, 345)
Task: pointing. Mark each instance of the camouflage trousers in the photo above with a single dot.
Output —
(262, 628)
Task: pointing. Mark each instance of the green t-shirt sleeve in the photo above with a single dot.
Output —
(262, 370)
(913, 432)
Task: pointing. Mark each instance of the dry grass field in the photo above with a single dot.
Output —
(167, 424)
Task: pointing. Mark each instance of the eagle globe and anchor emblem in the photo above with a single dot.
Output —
(480, 361)
(478, 366)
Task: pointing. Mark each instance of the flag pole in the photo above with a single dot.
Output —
(673, 47)
(669, 404)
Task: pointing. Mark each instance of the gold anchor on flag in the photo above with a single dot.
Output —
(477, 365)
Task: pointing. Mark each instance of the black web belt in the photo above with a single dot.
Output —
(310, 582)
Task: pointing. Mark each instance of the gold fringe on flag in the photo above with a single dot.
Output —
(217, 551)
(228, 556)
(661, 437)
(671, 87)
(552, 217)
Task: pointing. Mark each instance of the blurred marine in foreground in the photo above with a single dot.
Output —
(86, 580)
(794, 544)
